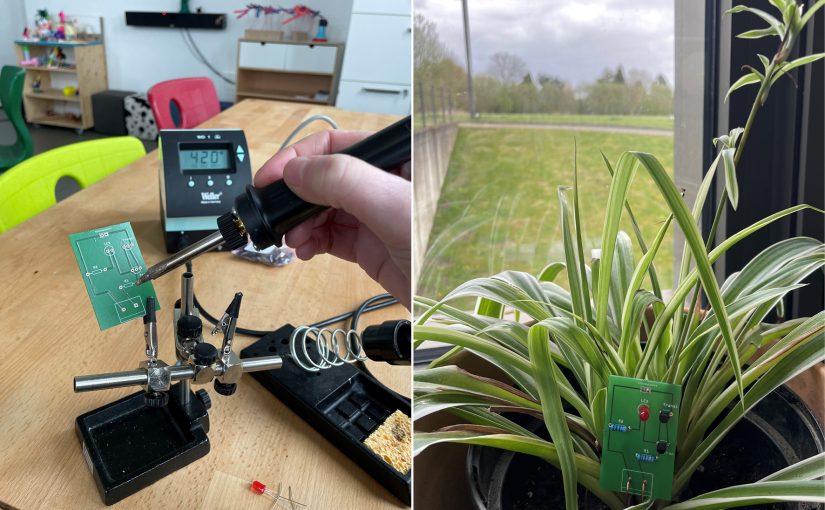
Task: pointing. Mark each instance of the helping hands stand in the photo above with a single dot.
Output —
(137, 440)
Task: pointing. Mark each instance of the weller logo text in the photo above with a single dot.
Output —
(210, 197)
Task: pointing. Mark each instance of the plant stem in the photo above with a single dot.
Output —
(720, 208)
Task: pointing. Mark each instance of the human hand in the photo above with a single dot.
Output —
(369, 219)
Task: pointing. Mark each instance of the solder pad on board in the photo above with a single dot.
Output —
(110, 261)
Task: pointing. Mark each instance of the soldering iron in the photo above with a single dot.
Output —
(267, 214)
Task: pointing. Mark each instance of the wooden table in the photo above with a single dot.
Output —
(48, 334)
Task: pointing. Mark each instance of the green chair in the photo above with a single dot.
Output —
(11, 97)
(28, 188)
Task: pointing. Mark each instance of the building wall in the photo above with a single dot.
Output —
(11, 26)
(433, 148)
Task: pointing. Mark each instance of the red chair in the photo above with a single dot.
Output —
(195, 99)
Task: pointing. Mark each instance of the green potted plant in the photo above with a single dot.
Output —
(558, 345)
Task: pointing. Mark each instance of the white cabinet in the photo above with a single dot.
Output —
(260, 55)
(383, 39)
(310, 59)
(376, 75)
(374, 97)
(301, 58)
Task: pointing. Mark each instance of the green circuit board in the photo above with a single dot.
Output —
(639, 450)
(110, 261)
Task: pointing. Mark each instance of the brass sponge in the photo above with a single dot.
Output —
(392, 441)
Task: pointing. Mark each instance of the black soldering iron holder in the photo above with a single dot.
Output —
(129, 445)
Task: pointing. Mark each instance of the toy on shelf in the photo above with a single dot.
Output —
(36, 85)
(299, 19)
(62, 29)
(321, 36)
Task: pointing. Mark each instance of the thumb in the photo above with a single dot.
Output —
(377, 198)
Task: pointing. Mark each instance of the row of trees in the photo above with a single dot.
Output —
(508, 86)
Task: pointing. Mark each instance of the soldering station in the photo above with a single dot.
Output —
(207, 202)
(201, 171)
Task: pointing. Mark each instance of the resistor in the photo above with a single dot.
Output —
(618, 427)
(645, 457)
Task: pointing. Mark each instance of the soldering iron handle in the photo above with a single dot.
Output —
(270, 212)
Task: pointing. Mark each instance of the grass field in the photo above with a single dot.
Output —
(640, 121)
(499, 207)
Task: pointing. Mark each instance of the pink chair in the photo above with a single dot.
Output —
(195, 99)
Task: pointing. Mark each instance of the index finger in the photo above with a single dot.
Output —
(325, 142)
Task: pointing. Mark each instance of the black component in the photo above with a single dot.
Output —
(269, 213)
(225, 389)
(205, 353)
(203, 396)
(129, 445)
(232, 237)
(390, 342)
(156, 398)
(234, 307)
(150, 311)
(189, 326)
(664, 416)
(661, 446)
(342, 403)
(175, 19)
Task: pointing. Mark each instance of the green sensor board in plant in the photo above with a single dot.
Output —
(110, 262)
(639, 450)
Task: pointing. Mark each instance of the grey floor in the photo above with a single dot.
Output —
(46, 138)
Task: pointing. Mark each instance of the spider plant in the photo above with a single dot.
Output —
(604, 322)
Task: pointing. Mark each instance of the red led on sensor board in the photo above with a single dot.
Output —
(644, 412)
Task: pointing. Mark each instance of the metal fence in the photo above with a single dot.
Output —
(433, 106)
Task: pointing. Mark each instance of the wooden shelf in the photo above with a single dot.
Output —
(56, 120)
(51, 69)
(88, 75)
(282, 71)
(286, 96)
(297, 73)
(52, 95)
(61, 44)
(288, 41)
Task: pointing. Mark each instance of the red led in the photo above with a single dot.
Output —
(644, 413)
(257, 487)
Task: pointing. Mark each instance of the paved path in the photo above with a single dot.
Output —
(569, 127)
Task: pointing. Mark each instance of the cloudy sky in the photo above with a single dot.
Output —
(572, 39)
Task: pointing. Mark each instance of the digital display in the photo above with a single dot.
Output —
(206, 160)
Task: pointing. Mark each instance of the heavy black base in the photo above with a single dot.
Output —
(342, 403)
(129, 446)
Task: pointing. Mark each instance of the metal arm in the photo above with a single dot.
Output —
(199, 362)
(140, 377)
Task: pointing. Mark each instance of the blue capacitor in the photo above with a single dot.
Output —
(645, 457)
(618, 427)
